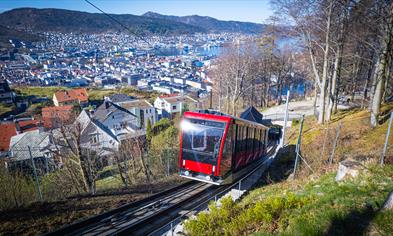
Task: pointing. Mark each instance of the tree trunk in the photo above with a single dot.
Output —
(355, 73)
(387, 78)
(365, 90)
(333, 87)
(322, 96)
(315, 98)
(380, 70)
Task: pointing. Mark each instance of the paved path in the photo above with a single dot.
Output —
(298, 107)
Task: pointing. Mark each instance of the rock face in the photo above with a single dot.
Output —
(348, 168)
(388, 205)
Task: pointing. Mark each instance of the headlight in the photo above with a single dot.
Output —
(208, 178)
(187, 172)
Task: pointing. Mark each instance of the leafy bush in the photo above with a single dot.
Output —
(16, 190)
(61, 184)
(232, 219)
(164, 150)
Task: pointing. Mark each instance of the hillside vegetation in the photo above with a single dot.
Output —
(6, 34)
(314, 203)
(76, 21)
(210, 23)
(94, 93)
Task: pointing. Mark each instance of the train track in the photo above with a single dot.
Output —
(115, 221)
(146, 216)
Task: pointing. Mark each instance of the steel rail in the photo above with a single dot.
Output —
(116, 223)
(69, 229)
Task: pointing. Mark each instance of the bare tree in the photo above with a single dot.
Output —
(235, 73)
(382, 66)
(69, 146)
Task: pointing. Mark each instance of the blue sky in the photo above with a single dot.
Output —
(242, 10)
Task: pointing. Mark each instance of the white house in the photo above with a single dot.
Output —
(172, 104)
(143, 110)
(95, 136)
(118, 120)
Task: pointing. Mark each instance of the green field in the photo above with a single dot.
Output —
(4, 109)
(94, 93)
(38, 91)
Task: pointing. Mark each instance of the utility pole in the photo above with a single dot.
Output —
(211, 99)
(298, 147)
(285, 120)
(335, 144)
(37, 184)
(386, 139)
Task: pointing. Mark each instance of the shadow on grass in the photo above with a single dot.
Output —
(354, 223)
(280, 168)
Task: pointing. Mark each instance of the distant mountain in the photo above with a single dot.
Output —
(211, 24)
(76, 21)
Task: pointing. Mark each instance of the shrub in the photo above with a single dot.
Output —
(231, 219)
(16, 190)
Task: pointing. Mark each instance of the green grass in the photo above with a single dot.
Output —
(98, 94)
(38, 91)
(315, 207)
(111, 182)
(94, 93)
(5, 109)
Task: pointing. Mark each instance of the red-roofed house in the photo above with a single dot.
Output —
(75, 96)
(54, 117)
(7, 130)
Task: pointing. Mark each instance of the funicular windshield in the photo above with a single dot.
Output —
(201, 139)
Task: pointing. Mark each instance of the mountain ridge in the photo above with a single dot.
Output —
(51, 19)
(210, 23)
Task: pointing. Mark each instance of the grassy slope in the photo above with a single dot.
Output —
(4, 109)
(315, 204)
(38, 218)
(38, 91)
(94, 94)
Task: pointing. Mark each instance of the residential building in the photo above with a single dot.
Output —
(9, 129)
(54, 117)
(96, 136)
(119, 97)
(71, 97)
(121, 122)
(172, 104)
(7, 96)
(31, 145)
(143, 110)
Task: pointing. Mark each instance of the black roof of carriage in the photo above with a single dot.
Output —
(252, 114)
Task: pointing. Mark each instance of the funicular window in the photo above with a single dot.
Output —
(244, 142)
(235, 138)
(250, 137)
(201, 139)
(239, 139)
(262, 140)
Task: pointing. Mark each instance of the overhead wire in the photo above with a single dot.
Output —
(124, 26)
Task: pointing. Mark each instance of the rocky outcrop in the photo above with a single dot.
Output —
(348, 168)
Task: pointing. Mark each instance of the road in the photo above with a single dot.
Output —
(298, 107)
